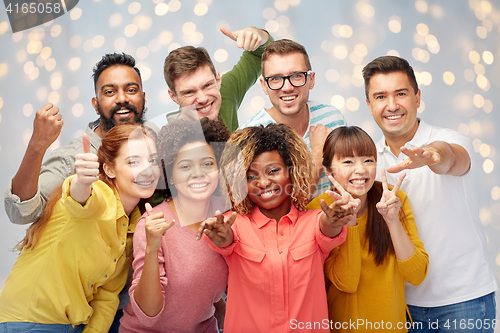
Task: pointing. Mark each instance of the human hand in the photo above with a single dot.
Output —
(390, 204)
(248, 38)
(417, 158)
(155, 226)
(345, 208)
(46, 126)
(86, 164)
(317, 138)
(218, 230)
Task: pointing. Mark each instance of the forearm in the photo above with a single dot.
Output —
(403, 246)
(148, 294)
(79, 192)
(25, 182)
(329, 230)
(453, 159)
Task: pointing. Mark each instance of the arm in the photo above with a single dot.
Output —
(218, 230)
(242, 77)
(441, 157)
(220, 313)
(317, 137)
(87, 172)
(148, 292)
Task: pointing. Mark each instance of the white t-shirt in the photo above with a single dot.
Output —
(447, 216)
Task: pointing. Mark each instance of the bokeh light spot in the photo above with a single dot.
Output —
(221, 55)
(448, 78)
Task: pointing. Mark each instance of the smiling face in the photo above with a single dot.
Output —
(201, 89)
(355, 174)
(135, 172)
(393, 104)
(194, 172)
(269, 184)
(289, 100)
(119, 97)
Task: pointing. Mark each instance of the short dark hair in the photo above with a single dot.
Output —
(388, 64)
(284, 47)
(185, 60)
(112, 59)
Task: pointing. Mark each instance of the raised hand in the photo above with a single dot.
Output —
(417, 158)
(390, 204)
(248, 38)
(343, 211)
(155, 226)
(218, 230)
(46, 126)
(86, 164)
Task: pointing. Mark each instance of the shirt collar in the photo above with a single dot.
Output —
(261, 220)
(420, 138)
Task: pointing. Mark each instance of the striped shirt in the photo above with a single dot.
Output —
(319, 114)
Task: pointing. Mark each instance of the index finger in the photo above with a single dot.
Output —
(384, 180)
(396, 187)
(86, 143)
(228, 33)
(336, 184)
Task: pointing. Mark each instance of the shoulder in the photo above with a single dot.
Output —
(261, 118)
(325, 114)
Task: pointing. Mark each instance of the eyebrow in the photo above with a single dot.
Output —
(385, 92)
(112, 85)
(190, 160)
(191, 89)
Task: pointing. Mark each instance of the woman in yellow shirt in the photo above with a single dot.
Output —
(75, 260)
(367, 273)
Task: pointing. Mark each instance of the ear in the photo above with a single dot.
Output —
(173, 96)
(264, 85)
(109, 171)
(369, 106)
(417, 96)
(95, 103)
(312, 80)
(218, 79)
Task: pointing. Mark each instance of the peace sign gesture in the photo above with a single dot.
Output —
(218, 230)
(390, 204)
(343, 210)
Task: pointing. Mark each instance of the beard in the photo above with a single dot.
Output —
(135, 116)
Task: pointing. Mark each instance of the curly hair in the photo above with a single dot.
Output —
(175, 135)
(251, 142)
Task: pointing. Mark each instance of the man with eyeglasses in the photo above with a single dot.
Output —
(287, 79)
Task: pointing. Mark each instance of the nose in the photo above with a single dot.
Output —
(262, 182)
(148, 171)
(201, 98)
(198, 171)
(121, 97)
(392, 105)
(360, 169)
(287, 85)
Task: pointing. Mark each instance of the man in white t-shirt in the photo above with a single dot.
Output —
(459, 290)
(287, 78)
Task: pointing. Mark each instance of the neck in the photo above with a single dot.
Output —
(298, 122)
(128, 206)
(99, 130)
(397, 141)
(188, 216)
(278, 212)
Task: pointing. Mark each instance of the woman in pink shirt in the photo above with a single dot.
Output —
(178, 282)
(274, 250)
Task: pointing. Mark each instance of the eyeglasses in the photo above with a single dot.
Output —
(277, 82)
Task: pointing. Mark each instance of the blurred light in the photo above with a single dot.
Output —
(395, 25)
(352, 104)
(41, 94)
(220, 55)
(75, 41)
(174, 5)
(115, 20)
(258, 103)
(55, 30)
(332, 75)
(421, 6)
(272, 26)
(436, 11)
(338, 102)
(145, 72)
(488, 57)
(327, 46)
(421, 108)
(487, 25)
(355, 58)
(293, 2)
(26, 136)
(28, 67)
(1, 106)
(463, 128)
(448, 78)
(73, 93)
(163, 96)
(154, 45)
(161, 9)
(200, 9)
(419, 39)
(335, 30)
(188, 28)
(196, 38)
(130, 30)
(481, 32)
(469, 75)
(480, 15)
(134, 8)
(422, 29)
(120, 2)
(50, 64)
(420, 55)
(479, 69)
(474, 57)
(3, 69)
(345, 31)
(98, 41)
(486, 6)
(269, 13)
(340, 51)
(361, 50)
(17, 36)
(80, 132)
(34, 47)
(56, 81)
(488, 106)
(142, 22)
(365, 9)
(142, 52)
(482, 81)
(488, 166)
(484, 150)
(4, 26)
(75, 13)
(393, 53)
(283, 21)
(173, 46)
(28, 110)
(281, 5)
(478, 101)
(165, 37)
(53, 97)
(476, 130)
(77, 110)
(495, 195)
(88, 46)
(40, 61)
(21, 56)
(120, 43)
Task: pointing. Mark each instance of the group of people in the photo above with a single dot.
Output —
(242, 226)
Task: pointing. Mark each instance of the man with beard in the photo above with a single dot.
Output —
(119, 98)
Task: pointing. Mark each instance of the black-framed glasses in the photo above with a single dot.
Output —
(276, 82)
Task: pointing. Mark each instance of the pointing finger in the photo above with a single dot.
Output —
(149, 209)
(86, 143)
(228, 33)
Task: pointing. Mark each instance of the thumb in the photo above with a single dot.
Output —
(228, 33)
(86, 143)
(149, 209)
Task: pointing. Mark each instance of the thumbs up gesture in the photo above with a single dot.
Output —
(155, 226)
(248, 38)
(87, 172)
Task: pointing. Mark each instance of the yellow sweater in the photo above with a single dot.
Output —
(78, 267)
(364, 297)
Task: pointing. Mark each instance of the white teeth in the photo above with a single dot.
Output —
(123, 111)
(144, 183)
(268, 193)
(394, 117)
(198, 185)
(358, 181)
(205, 109)
(288, 98)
